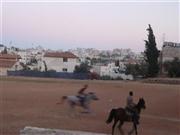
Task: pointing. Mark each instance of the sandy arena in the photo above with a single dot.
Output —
(32, 102)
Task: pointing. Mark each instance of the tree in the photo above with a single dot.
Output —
(137, 69)
(82, 68)
(45, 66)
(25, 67)
(173, 67)
(33, 60)
(4, 51)
(151, 54)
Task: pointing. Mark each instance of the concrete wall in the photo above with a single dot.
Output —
(57, 64)
(3, 71)
(45, 131)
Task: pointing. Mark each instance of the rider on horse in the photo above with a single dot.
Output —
(130, 107)
(81, 95)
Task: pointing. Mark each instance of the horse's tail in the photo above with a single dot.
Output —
(62, 100)
(111, 116)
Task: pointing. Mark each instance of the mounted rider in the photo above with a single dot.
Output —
(130, 107)
(81, 95)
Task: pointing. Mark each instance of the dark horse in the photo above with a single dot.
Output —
(121, 115)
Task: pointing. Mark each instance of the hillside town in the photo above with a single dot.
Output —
(103, 63)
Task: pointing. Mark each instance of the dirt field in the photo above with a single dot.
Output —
(32, 102)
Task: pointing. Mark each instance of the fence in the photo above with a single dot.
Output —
(50, 74)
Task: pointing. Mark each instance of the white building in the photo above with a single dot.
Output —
(170, 50)
(113, 71)
(84, 53)
(29, 54)
(60, 61)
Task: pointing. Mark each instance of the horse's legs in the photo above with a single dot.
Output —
(86, 108)
(120, 129)
(71, 109)
(114, 125)
(134, 128)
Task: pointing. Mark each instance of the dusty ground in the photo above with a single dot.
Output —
(32, 102)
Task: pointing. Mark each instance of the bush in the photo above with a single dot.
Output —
(94, 75)
(173, 68)
(105, 77)
(136, 70)
(82, 68)
(118, 78)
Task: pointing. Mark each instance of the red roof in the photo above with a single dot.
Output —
(9, 56)
(8, 60)
(6, 63)
(60, 55)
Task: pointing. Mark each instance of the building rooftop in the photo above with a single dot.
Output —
(9, 56)
(8, 60)
(4, 63)
(60, 55)
(171, 44)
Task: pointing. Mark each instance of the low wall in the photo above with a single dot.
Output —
(43, 131)
(162, 80)
(51, 74)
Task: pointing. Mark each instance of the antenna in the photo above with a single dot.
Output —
(163, 37)
(10, 43)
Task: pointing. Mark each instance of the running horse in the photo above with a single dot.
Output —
(75, 101)
(121, 115)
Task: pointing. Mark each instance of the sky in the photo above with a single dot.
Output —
(100, 24)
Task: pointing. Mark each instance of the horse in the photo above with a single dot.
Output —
(121, 115)
(75, 101)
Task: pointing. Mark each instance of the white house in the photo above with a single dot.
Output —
(59, 61)
(9, 62)
(113, 71)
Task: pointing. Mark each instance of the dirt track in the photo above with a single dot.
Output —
(32, 102)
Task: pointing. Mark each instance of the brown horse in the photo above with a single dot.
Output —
(120, 114)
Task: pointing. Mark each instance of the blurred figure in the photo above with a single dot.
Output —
(82, 95)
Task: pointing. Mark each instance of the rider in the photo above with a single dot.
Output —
(81, 95)
(131, 107)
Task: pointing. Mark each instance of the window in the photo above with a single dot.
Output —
(65, 59)
(64, 69)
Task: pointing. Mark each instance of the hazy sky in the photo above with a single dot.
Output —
(101, 25)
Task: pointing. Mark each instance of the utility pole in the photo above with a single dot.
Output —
(161, 54)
